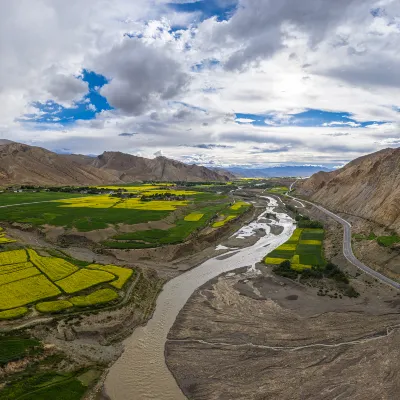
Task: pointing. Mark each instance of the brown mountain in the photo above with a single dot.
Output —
(130, 168)
(368, 187)
(23, 164)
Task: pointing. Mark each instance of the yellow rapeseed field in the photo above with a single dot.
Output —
(55, 268)
(25, 291)
(5, 269)
(288, 247)
(18, 275)
(123, 274)
(98, 297)
(316, 242)
(223, 222)
(103, 201)
(13, 257)
(53, 306)
(156, 205)
(239, 204)
(300, 267)
(83, 279)
(193, 217)
(14, 313)
(296, 235)
(274, 261)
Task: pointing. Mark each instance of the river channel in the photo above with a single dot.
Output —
(141, 371)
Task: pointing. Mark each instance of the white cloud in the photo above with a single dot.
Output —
(276, 58)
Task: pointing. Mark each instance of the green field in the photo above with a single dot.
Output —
(15, 348)
(183, 228)
(302, 255)
(29, 197)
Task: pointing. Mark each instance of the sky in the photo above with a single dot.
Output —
(211, 82)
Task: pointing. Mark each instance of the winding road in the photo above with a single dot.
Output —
(347, 249)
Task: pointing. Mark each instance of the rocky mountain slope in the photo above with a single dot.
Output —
(368, 187)
(23, 164)
(129, 168)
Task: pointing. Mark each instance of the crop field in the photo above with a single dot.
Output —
(53, 306)
(98, 297)
(24, 283)
(224, 221)
(194, 217)
(239, 204)
(123, 274)
(30, 197)
(83, 279)
(157, 237)
(52, 267)
(15, 348)
(13, 313)
(25, 291)
(90, 212)
(303, 250)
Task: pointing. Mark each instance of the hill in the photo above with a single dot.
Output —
(368, 187)
(24, 164)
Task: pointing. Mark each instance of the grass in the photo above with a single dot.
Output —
(26, 291)
(45, 386)
(123, 274)
(15, 348)
(52, 267)
(83, 279)
(53, 306)
(388, 241)
(13, 313)
(98, 297)
(303, 250)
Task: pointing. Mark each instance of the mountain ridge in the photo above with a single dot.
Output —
(368, 187)
(25, 164)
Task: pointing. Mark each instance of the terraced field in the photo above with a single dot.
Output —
(303, 250)
(27, 279)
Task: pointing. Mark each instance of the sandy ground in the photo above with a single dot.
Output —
(247, 336)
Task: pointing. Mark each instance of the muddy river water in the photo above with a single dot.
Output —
(141, 371)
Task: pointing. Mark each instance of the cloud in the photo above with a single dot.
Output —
(125, 134)
(212, 146)
(140, 76)
(65, 89)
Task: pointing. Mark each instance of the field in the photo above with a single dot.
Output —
(24, 283)
(83, 279)
(53, 306)
(14, 348)
(226, 219)
(123, 274)
(303, 250)
(30, 197)
(183, 228)
(98, 297)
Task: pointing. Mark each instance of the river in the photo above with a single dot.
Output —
(141, 371)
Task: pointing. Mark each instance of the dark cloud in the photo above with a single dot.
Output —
(63, 88)
(140, 75)
(125, 134)
(258, 150)
(337, 134)
(210, 146)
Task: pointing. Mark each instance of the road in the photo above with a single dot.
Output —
(347, 249)
(32, 202)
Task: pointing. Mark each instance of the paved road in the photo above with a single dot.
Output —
(347, 250)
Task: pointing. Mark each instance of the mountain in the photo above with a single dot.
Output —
(368, 187)
(271, 172)
(23, 164)
(130, 168)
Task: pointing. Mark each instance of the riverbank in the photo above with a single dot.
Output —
(141, 371)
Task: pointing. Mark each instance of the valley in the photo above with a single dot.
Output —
(238, 272)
